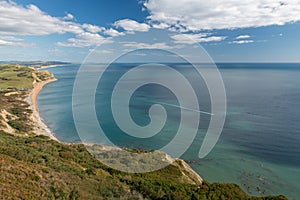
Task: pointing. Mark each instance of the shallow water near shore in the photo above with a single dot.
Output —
(259, 148)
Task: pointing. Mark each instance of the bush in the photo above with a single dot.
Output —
(19, 125)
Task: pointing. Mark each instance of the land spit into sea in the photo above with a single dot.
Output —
(35, 165)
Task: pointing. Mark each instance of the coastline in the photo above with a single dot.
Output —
(50, 66)
(40, 127)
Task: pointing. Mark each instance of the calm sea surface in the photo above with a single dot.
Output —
(259, 148)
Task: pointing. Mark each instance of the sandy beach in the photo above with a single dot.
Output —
(50, 66)
(40, 127)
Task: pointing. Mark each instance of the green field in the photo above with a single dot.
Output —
(15, 77)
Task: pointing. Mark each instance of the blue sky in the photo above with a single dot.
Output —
(230, 31)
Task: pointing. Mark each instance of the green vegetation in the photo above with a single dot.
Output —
(38, 64)
(35, 167)
(15, 77)
(15, 85)
(15, 111)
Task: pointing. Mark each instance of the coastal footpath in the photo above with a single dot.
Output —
(35, 165)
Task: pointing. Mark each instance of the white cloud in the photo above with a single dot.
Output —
(113, 32)
(131, 25)
(242, 37)
(196, 38)
(13, 41)
(139, 45)
(160, 25)
(242, 41)
(10, 38)
(30, 20)
(198, 15)
(68, 17)
(92, 28)
(84, 40)
(6, 43)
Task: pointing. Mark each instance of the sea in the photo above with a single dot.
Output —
(259, 147)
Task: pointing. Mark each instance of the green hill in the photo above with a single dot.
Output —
(36, 167)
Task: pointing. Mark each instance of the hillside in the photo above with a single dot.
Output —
(36, 167)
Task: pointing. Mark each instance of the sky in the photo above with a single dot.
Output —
(228, 30)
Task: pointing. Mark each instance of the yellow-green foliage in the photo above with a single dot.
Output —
(15, 84)
(38, 168)
(15, 77)
(42, 75)
(18, 109)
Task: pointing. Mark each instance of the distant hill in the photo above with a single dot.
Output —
(36, 64)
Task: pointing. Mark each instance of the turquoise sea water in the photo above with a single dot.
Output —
(259, 148)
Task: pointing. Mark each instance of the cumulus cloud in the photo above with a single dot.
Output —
(84, 40)
(198, 15)
(92, 28)
(69, 17)
(113, 32)
(30, 20)
(131, 25)
(196, 38)
(160, 25)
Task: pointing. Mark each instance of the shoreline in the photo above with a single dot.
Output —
(40, 127)
(50, 66)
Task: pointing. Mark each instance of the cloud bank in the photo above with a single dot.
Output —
(197, 15)
(194, 18)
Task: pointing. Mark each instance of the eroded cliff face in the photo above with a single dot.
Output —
(15, 113)
(188, 173)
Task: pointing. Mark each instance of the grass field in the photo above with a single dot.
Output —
(15, 77)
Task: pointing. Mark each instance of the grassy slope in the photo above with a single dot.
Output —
(34, 167)
(12, 76)
(15, 85)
